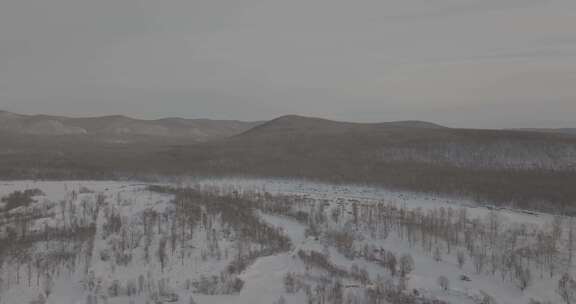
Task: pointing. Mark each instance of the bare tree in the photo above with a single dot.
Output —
(567, 289)
(290, 283)
(437, 254)
(461, 256)
(162, 256)
(406, 265)
(571, 240)
(48, 285)
(523, 276)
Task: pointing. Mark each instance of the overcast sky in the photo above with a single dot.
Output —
(468, 63)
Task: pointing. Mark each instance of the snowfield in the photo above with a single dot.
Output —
(251, 241)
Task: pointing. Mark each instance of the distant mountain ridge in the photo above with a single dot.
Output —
(290, 124)
(121, 127)
(571, 131)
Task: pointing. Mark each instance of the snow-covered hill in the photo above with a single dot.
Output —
(271, 241)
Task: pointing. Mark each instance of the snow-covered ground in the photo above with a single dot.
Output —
(70, 267)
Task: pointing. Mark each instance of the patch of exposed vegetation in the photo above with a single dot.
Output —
(20, 198)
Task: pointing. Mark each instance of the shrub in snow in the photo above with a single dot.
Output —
(281, 300)
(218, 285)
(114, 289)
(443, 282)
(41, 300)
(169, 298)
(486, 299)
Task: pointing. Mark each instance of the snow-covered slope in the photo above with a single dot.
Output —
(270, 241)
